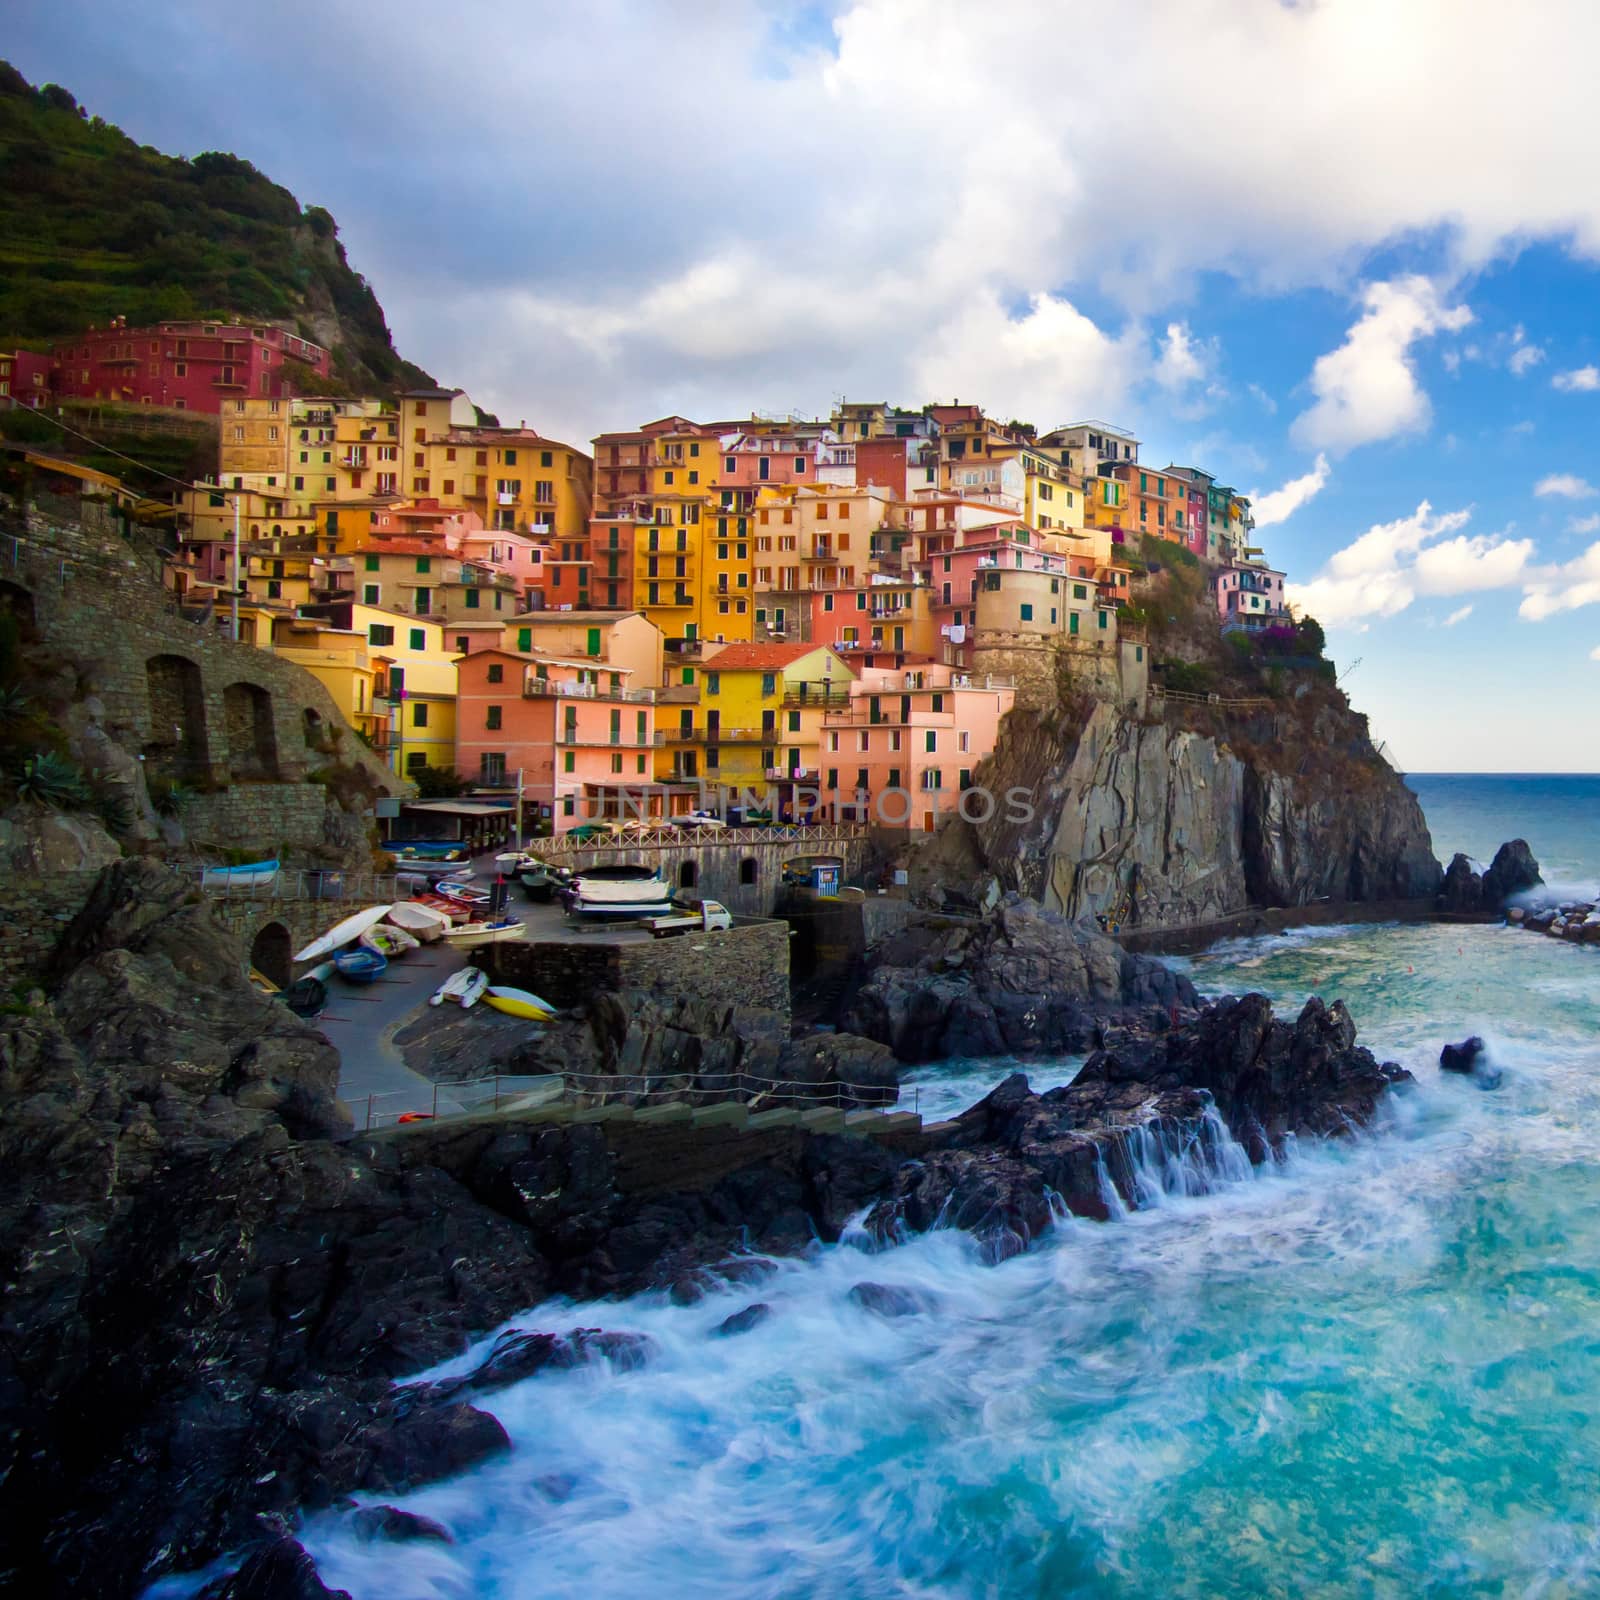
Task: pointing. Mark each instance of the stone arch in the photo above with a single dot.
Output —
(252, 738)
(688, 874)
(178, 746)
(270, 954)
(749, 871)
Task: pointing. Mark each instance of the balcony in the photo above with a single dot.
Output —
(742, 736)
(679, 735)
(544, 689)
(819, 552)
(793, 774)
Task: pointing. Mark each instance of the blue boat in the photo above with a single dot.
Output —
(258, 875)
(360, 965)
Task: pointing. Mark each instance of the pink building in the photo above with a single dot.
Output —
(752, 459)
(1250, 597)
(191, 366)
(904, 751)
(573, 729)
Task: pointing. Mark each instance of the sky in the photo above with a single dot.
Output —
(1345, 254)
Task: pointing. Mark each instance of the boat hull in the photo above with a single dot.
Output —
(518, 1003)
(361, 966)
(472, 934)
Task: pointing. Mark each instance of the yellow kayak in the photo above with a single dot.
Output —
(518, 1003)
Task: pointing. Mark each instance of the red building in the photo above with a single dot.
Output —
(24, 378)
(190, 366)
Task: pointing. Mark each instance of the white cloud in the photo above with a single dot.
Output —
(1458, 616)
(1580, 379)
(1367, 389)
(1594, 655)
(1588, 524)
(1565, 486)
(1522, 427)
(1567, 587)
(1262, 398)
(1525, 358)
(1394, 563)
(1278, 505)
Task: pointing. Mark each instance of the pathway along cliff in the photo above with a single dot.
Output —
(209, 1295)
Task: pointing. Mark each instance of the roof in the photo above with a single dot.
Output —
(762, 657)
(402, 547)
(431, 394)
(541, 658)
(455, 808)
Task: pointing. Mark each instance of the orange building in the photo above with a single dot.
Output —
(572, 728)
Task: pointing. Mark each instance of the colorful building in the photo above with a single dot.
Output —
(574, 731)
(1250, 597)
(189, 366)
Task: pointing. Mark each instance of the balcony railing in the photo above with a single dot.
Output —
(540, 688)
(743, 736)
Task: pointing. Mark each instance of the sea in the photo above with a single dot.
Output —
(1372, 1369)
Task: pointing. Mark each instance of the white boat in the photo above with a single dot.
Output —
(518, 1002)
(470, 934)
(633, 891)
(388, 940)
(598, 910)
(258, 875)
(421, 922)
(341, 933)
(463, 987)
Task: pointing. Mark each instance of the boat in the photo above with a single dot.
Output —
(463, 892)
(342, 933)
(602, 910)
(361, 965)
(307, 997)
(470, 934)
(539, 880)
(641, 889)
(463, 987)
(450, 910)
(518, 1002)
(258, 875)
(388, 940)
(423, 922)
(409, 850)
(263, 984)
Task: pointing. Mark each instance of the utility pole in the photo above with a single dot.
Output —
(517, 841)
(237, 579)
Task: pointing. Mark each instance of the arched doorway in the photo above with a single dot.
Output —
(252, 739)
(270, 952)
(177, 747)
(749, 871)
(688, 874)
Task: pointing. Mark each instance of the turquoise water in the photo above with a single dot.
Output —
(1373, 1370)
(1558, 815)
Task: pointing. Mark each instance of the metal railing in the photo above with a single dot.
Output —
(503, 1093)
(293, 883)
(666, 835)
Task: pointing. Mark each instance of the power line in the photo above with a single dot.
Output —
(89, 438)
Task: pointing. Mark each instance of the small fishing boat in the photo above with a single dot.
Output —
(422, 922)
(470, 934)
(257, 876)
(463, 987)
(307, 998)
(450, 910)
(463, 892)
(408, 850)
(633, 886)
(518, 1002)
(361, 965)
(342, 933)
(388, 941)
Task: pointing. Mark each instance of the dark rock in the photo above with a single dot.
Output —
(389, 1522)
(1461, 1057)
(743, 1321)
(1463, 888)
(1513, 871)
(434, 1441)
(889, 1300)
(517, 1355)
(280, 1571)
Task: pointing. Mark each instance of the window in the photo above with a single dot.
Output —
(931, 741)
(369, 594)
(419, 639)
(546, 458)
(931, 780)
(380, 633)
(1027, 613)
(424, 563)
(769, 684)
(496, 672)
(416, 760)
(472, 600)
(569, 761)
(419, 714)
(491, 716)
(713, 683)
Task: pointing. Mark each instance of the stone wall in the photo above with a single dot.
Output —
(34, 912)
(278, 819)
(747, 965)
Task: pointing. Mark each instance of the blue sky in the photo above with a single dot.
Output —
(1323, 251)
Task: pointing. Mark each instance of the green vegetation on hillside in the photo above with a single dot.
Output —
(93, 226)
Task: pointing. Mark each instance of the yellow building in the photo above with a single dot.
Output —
(415, 686)
(338, 658)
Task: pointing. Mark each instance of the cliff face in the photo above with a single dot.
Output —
(1159, 825)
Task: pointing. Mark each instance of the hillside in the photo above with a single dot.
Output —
(93, 225)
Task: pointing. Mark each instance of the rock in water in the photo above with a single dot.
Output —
(280, 1571)
(888, 1300)
(1463, 888)
(743, 1321)
(389, 1522)
(1461, 1057)
(1513, 871)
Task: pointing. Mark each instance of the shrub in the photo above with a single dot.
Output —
(51, 780)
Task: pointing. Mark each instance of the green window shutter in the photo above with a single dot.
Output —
(472, 599)
(1073, 622)
(419, 639)
(524, 639)
(593, 641)
(372, 563)
(424, 563)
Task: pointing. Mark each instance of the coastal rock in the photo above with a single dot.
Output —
(890, 1301)
(280, 1571)
(1029, 980)
(1463, 886)
(1513, 871)
(371, 1523)
(431, 1441)
(517, 1355)
(743, 1321)
(1461, 1057)
(1157, 824)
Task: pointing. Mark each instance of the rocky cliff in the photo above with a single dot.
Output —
(1163, 822)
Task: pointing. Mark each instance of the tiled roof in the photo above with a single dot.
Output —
(764, 656)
